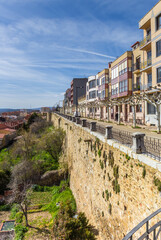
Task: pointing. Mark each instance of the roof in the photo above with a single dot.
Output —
(135, 44)
(149, 10)
(2, 135)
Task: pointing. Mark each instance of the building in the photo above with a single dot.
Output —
(151, 57)
(121, 86)
(92, 97)
(78, 89)
(67, 101)
(138, 85)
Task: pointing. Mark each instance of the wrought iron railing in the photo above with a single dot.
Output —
(145, 40)
(147, 232)
(146, 63)
(100, 129)
(122, 137)
(87, 124)
(136, 66)
(153, 147)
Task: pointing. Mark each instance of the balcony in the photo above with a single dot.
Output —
(146, 43)
(142, 87)
(146, 65)
(136, 68)
(137, 87)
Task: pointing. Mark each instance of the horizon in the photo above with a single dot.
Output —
(44, 45)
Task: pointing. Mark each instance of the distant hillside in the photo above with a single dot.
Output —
(11, 109)
(8, 110)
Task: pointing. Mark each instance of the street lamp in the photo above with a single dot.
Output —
(76, 114)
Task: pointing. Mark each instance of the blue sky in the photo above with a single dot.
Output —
(46, 43)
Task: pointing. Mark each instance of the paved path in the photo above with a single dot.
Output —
(149, 131)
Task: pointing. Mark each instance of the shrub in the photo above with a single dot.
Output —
(107, 195)
(101, 164)
(157, 183)
(111, 158)
(99, 152)
(20, 231)
(4, 180)
(19, 217)
(14, 211)
(110, 208)
(144, 172)
(5, 208)
(68, 227)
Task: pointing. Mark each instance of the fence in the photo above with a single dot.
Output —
(152, 146)
(152, 232)
(122, 137)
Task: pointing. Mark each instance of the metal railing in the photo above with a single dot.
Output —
(100, 129)
(146, 63)
(122, 137)
(145, 40)
(153, 147)
(151, 233)
(136, 66)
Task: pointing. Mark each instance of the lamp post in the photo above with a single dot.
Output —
(76, 114)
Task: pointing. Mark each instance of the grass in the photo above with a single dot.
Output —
(136, 127)
(40, 198)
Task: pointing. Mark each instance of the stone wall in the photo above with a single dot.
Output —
(111, 184)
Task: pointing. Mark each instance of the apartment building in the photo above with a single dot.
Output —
(151, 57)
(138, 85)
(67, 101)
(92, 96)
(121, 86)
(78, 89)
(103, 90)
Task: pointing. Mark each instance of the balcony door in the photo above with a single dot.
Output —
(149, 80)
(149, 58)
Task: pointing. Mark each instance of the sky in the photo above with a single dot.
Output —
(44, 44)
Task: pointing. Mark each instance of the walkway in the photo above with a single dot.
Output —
(149, 131)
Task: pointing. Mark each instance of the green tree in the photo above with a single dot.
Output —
(69, 227)
(52, 142)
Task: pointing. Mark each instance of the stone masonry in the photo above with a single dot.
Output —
(114, 189)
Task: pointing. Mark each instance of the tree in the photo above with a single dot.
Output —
(68, 227)
(134, 100)
(24, 175)
(52, 142)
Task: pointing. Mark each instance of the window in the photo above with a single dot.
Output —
(92, 84)
(121, 108)
(159, 75)
(98, 81)
(92, 94)
(103, 94)
(149, 80)
(103, 80)
(139, 108)
(130, 108)
(123, 86)
(123, 68)
(114, 89)
(151, 109)
(158, 22)
(158, 48)
(115, 72)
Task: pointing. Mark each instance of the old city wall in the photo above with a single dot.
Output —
(114, 189)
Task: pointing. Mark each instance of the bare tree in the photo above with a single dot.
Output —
(154, 98)
(134, 100)
(23, 176)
